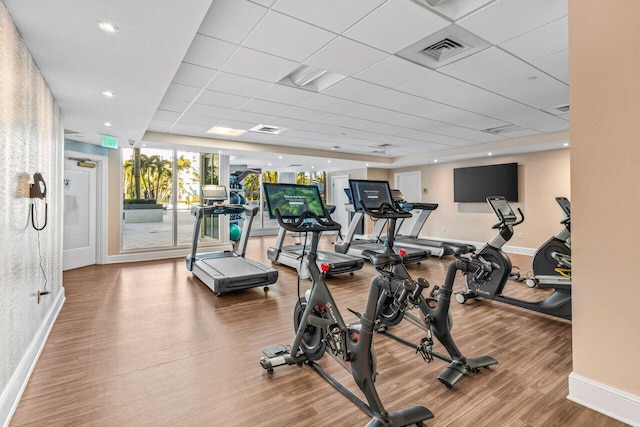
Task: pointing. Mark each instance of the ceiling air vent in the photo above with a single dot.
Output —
(273, 130)
(382, 146)
(500, 130)
(293, 165)
(443, 49)
(71, 132)
(563, 108)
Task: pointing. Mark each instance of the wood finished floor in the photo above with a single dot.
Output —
(147, 344)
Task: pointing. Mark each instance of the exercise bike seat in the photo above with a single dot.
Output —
(379, 259)
(458, 249)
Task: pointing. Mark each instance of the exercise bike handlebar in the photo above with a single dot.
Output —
(385, 210)
(308, 221)
(502, 222)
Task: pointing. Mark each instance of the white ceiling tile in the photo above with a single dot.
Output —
(556, 65)
(334, 119)
(231, 20)
(540, 93)
(173, 105)
(181, 92)
(391, 72)
(390, 99)
(166, 115)
(209, 110)
(285, 122)
(193, 75)
(520, 133)
(315, 127)
(345, 57)
(234, 124)
(373, 126)
(285, 94)
(428, 84)
(391, 117)
(160, 126)
(209, 52)
(325, 103)
(506, 19)
(192, 129)
(302, 113)
(484, 63)
(334, 15)
(433, 137)
(510, 78)
(548, 124)
(540, 42)
(239, 85)
(361, 111)
(265, 107)
(249, 117)
(455, 10)
(353, 89)
(280, 35)
(221, 99)
(396, 25)
(461, 96)
(502, 108)
(464, 118)
(196, 119)
(265, 3)
(271, 68)
(420, 107)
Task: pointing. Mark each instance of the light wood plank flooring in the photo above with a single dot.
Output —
(148, 344)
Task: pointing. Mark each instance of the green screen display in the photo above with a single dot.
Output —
(292, 200)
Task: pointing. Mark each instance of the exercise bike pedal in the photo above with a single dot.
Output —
(481, 362)
(276, 350)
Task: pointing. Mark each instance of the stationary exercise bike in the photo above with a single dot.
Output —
(400, 293)
(319, 326)
(544, 262)
(490, 285)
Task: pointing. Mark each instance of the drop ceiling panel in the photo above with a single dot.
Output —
(510, 78)
(265, 3)
(239, 85)
(540, 93)
(420, 107)
(181, 92)
(334, 15)
(346, 57)
(173, 105)
(556, 65)
(464, 118)
(271, 69)
(392, 117)
(170, 116)
(456, 9)
(335, 120)
(391, 99)
(191, 129)
(463, 96)
(507, 109)
(209, 52)
(249, 117)
(548, 124)
(391, 72)
(324, 103)
(265, 107)
(361, 111)
(208, 110)
(287, 37)
(353, 89)
(482, 64)
(506, 19)
(221, 99)
(302, 113)
(540, 42)
(315, 127)
(193, 75)
(231, 20)
(196, 119)
(380, 28)
(285, 94)
(160, 125)
(284, 122)
(428, 84)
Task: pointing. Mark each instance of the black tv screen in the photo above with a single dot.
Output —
(475, 184)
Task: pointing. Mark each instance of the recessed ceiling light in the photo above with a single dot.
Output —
(328, 161)
(280, 157)
(219, 151)
(435, 160)
(226, 131)
(336, 147)
(269, 164)
(489, 154)
(108, 27)
(566, 144)
(313, 167)
(367, 164)
(144, 145)
(107, 124)
(108, 93)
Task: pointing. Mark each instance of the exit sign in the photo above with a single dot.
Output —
(109, 141)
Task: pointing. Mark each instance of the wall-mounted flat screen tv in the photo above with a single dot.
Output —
(475, 184)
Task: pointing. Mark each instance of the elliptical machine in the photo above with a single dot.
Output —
(319, 326)
(544, 262)
(490, 285)
(400, 293)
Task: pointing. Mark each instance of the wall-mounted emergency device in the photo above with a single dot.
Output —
(38, 190)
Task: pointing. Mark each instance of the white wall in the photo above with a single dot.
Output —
(31, 139)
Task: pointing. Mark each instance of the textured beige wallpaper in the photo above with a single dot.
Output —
(31, 139)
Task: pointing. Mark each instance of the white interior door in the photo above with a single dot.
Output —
(410, 185)
(339, 197)
(79, 229)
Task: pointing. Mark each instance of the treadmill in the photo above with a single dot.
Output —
(226, 271)
(421, 212)
(354, 246)
(292, 255)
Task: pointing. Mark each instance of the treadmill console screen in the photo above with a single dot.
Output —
(565, 206)
(372, 193)
(397, 195)
(214, 193)
(292, 200)
(502, 209)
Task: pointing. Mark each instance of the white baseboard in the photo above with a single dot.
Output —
(148, 256)
(13, 391)
(613, 403)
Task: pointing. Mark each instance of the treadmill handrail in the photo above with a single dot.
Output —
(308, 221)
(385, 210)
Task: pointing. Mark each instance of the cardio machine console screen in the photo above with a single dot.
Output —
(214, 193)
(293, 199)
(372, 193)
(502, 209)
